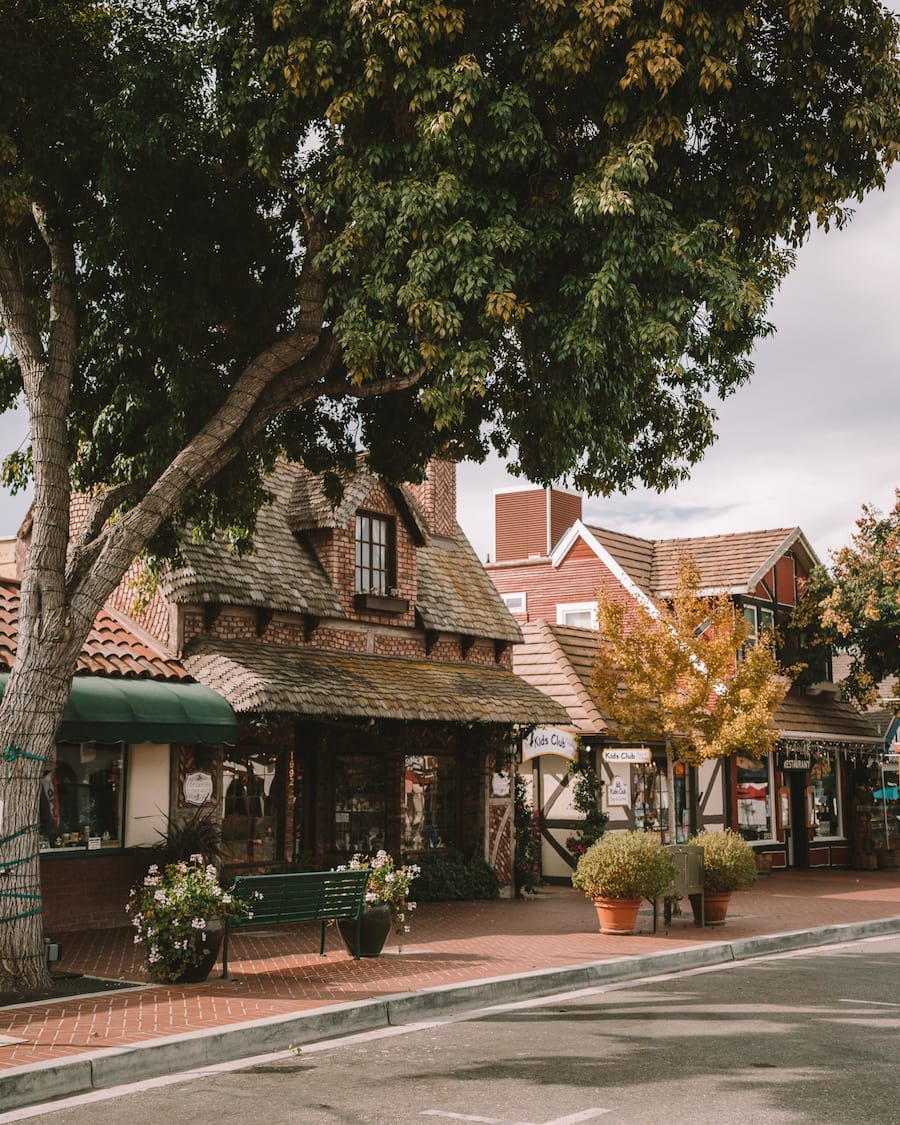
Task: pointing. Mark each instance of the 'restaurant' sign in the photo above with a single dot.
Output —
(798, 758)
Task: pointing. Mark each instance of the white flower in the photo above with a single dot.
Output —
(160, 896)
(196, 858)
(226, 899)
(151, 881)
(198, 923)
(410, 906)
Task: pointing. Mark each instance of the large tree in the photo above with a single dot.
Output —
(855, 604)
(686, 672)
(231, 229)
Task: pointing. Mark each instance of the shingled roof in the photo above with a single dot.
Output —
(112, 648)
(283, 575)
(824, 718)
(456, 595)
(735, 562)
(454, 592)
(559, 660)
(321, 683)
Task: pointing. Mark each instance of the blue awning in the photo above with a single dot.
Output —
(104, 709)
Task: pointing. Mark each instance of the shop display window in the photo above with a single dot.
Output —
(81, 798)
(650, 800)
(754, 797)
(430, 801)
(250, 806)
(360, 805)
(823, 779)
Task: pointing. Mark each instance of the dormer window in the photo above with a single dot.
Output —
(375, 568)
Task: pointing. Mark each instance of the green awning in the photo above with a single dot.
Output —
(102, 709)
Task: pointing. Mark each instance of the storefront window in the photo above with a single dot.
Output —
(823, 778)
(754, 797)
(360, 817)
(430, 820)
(81, 798)
(250, 806)
(650, 800)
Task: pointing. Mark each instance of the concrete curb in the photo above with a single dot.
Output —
(102, 1069)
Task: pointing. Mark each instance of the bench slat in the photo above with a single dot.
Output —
(303, 896)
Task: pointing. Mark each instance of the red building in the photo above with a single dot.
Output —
(549, 566)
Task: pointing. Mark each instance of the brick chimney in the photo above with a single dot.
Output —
(529, 521)
(436, 497)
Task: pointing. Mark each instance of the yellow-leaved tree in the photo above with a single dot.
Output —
(682, 671)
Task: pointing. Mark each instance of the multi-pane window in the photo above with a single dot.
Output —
(760, 619)
(81, 797)
(374, 554)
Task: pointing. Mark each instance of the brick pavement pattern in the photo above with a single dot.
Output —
(279, 972)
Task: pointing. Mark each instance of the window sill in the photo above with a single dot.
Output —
(380, 603)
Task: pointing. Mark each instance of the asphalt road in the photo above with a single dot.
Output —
(809, 1037)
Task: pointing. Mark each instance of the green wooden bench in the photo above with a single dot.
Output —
(303, 896)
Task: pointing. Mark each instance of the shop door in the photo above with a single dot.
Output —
(798, 853)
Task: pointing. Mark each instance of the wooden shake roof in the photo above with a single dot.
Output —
(321, 683)
(735, 562)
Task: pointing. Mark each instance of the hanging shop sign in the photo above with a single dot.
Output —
(549, 740)
(636, 755)
(198, 788)
(796, 759)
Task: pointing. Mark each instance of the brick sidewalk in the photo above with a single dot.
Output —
(280, 972)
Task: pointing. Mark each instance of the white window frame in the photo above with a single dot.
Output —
(564, 608)
(516, 603)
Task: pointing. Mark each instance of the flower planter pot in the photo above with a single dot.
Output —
(617, 915)
(716, 907)
(209, 951)
(375, 926)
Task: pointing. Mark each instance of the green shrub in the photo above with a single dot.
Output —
(624, 865)
(729, 863)
(527, 860)
(446, 876)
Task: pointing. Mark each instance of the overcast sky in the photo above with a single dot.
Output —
(812, 437)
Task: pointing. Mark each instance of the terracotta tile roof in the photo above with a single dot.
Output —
(111, 649)
(732, 562)
(456, 595)
(321, 683)
(559, 660)
(284, 575)
(824, 717)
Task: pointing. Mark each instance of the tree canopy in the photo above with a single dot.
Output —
(685, 672)
(234, 229)
(855, 605)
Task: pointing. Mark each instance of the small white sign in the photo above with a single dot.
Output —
(549, 740)
(198, 788)
(94, 843)
(628, 754)
(617, 793)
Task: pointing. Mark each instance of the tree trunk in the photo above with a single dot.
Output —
(670, 782)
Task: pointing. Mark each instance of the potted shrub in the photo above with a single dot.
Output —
(729, 864)
(619, 870)
(178, 912)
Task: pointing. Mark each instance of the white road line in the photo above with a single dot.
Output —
(871, 1003)
(569, 1119)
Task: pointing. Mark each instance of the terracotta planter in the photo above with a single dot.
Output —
(617, 915)
(716, 907)
(375, 926)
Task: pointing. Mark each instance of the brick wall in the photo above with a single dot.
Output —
(88, 892)
(436, 497)
(577, 579)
